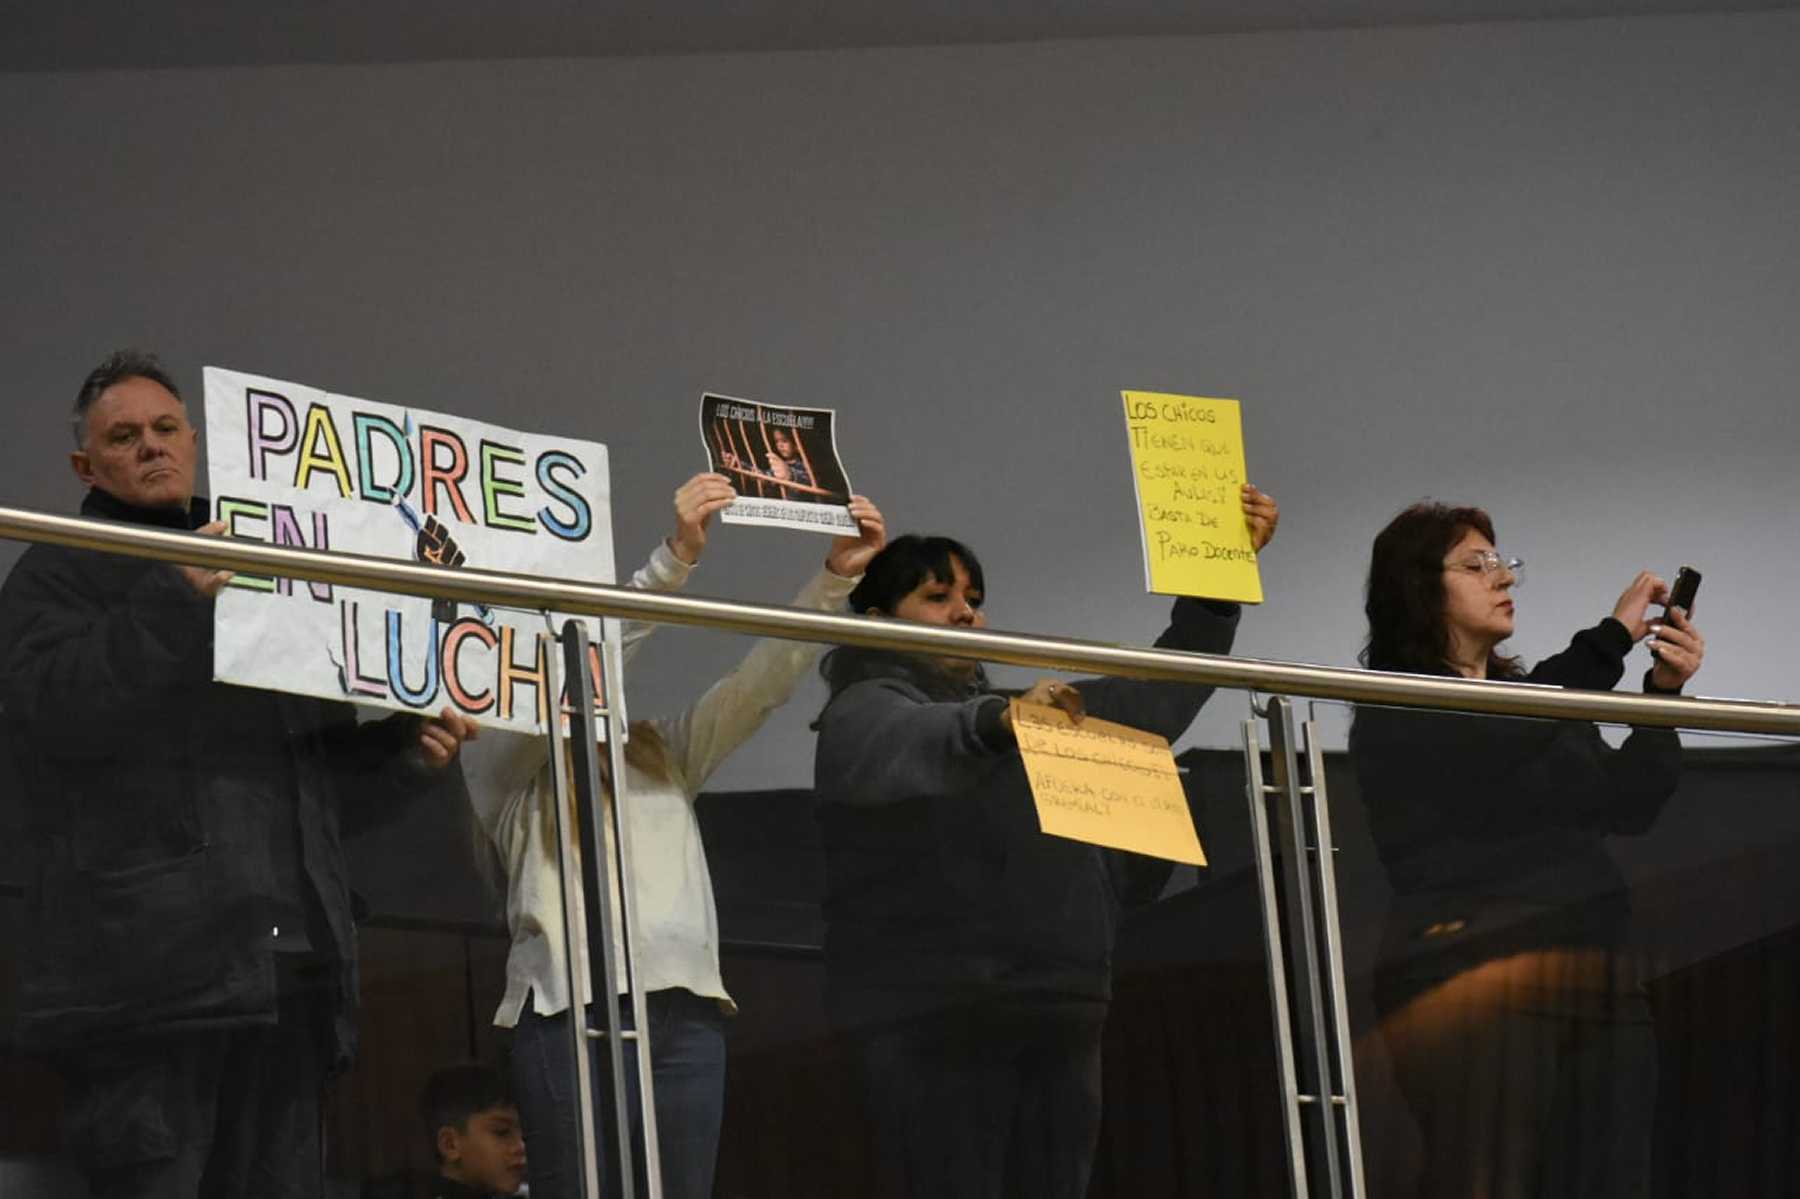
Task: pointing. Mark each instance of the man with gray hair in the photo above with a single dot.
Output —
(189, 956)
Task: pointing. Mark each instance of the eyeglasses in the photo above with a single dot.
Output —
(1487, 563)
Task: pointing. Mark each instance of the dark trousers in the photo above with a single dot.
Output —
(687, 1069)
(1530, 1078)
(984, 1104)
(229, 1114)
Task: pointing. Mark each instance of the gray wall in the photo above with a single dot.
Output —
(1550, 268)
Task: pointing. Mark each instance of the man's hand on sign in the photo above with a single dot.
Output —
(695, 502)
(440, 738)
(849, 555)
(207, 583)
(1263, 513)
(1051, 694)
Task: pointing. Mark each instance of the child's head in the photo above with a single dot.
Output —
(474, 1126)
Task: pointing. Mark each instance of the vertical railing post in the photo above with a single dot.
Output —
(594, 874)
(1337, 991)
(624, 864)
(1312, 1027)
(1293, 1136)
(574, 906)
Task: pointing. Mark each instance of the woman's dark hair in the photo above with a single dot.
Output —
(908, 561)
(890, 577)
(1404, 599)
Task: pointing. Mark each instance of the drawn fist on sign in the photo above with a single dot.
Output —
(435, 545)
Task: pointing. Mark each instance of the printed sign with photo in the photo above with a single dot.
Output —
(783, 462)
(292, 465)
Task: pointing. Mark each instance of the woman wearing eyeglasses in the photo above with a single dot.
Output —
(1514, 1015)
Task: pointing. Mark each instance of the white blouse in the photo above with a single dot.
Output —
(677, 924)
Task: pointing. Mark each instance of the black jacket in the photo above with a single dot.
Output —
(449, 1188)
(158, 802)
(1492, 828)
(940, 890)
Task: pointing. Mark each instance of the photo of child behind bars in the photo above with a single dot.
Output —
(774, 453)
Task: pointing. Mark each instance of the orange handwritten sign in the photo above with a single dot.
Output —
(1105, 784)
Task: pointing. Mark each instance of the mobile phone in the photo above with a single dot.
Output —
(1687, 586)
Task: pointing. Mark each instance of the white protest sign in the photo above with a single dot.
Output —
(293, 465)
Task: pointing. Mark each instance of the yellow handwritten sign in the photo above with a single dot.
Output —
(1187, 462)
(1105, 784)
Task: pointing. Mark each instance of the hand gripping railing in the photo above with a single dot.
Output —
(1016, 649)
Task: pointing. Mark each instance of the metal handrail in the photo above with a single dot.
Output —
(1017, 649)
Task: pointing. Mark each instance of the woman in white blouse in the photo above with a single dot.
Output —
(668, 761)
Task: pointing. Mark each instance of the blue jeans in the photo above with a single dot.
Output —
(687, 1066)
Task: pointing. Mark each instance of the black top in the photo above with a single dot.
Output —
(173, 820)
(449, 1188)
(1499, 822)
(236, 737)
(940, 889)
